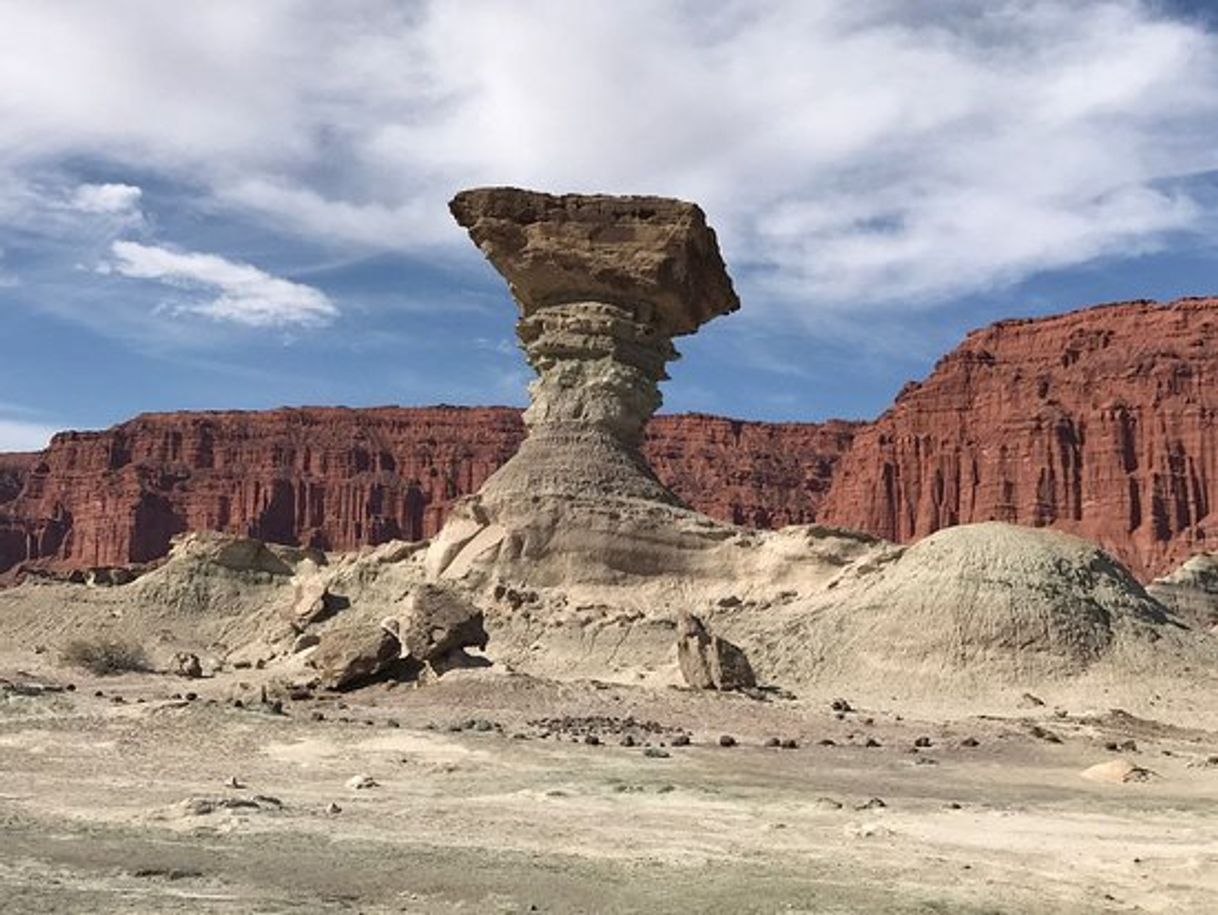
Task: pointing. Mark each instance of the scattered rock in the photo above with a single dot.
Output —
(709, 662)
(1117, 772)
(333, 808)
(923, 742)
(655, 753)
(1042, 733)
(185, 664)
(727, 740)
(1027, 700)
(970, 742)
(874, 803)
(773, 742)
(840, 705)
(362, 782)
(305, 641)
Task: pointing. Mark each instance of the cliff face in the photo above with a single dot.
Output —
(1099, 422)
(339, 478)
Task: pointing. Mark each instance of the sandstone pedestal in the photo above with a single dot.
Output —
(603, 285)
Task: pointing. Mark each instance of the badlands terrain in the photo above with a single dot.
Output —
(555, 686)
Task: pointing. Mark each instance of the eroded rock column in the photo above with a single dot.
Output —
(603, 285)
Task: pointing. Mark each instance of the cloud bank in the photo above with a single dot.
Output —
(856, 157)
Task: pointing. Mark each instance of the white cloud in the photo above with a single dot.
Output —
(855, 156)
(236, 292)
(19, 435)
(106, 198)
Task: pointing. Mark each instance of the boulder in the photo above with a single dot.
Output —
(437, 622)
(311, 603)
(351, 656)
(709, 662)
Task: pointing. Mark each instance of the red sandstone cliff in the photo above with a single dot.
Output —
(339, 478)
(1099, 422)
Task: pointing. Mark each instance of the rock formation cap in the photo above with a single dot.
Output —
(635, 251)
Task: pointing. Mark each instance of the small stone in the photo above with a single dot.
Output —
(970, 742)
(592, 740)
(827, 742)
(392, 723)
(482, 725)
(840, 705)
(185, 664)
(333, 808)
(727, 740)
(872, 742)
(922, 742)
(655, 753)
(237, 703)
(627, 741)
(681, 740)
(361, 782)
(318, 716)
(790, 744)
(191, 697)
(773, 742)
(874, 803)
(234, 782)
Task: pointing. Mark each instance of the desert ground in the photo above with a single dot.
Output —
(500, 792)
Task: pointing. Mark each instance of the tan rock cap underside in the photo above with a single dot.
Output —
(632, 251)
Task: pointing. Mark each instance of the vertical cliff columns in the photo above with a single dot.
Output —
(603, 284)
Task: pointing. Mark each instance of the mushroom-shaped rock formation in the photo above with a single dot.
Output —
(603, 285)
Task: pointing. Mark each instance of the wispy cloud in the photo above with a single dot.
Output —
(232, 291)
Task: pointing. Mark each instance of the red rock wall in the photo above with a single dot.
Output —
(1100, 422)
(339, 478)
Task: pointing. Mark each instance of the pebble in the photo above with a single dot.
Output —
(727, 740)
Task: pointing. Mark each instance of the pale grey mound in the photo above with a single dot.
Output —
(992, 602)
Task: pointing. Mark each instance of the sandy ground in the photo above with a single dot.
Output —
(100, 803)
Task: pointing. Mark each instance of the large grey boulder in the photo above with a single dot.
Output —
(350, 656)
(437, 621)
(709, 662)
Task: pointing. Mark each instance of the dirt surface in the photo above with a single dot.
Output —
(489, 797)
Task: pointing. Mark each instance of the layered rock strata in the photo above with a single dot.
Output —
(338, 479)
(1100, 422)
(603, 284)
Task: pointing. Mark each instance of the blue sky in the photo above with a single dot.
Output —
(243, 205)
